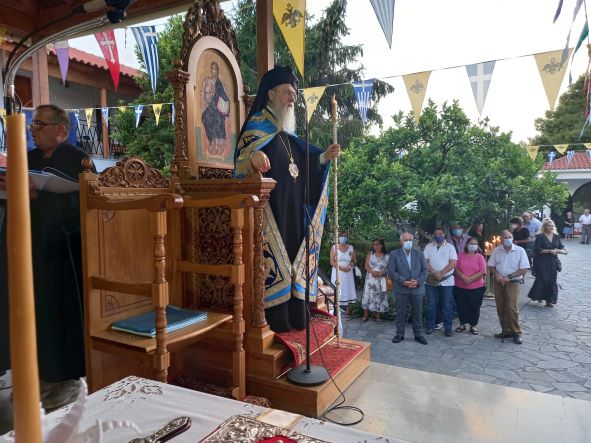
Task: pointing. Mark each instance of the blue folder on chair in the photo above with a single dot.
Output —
(145, 324)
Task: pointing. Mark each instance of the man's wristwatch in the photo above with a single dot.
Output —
(510, 277)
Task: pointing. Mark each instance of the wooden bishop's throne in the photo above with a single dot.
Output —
(194, 240)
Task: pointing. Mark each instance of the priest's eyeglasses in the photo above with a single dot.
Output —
(38, 124)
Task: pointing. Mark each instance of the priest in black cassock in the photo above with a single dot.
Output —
(55, 235)
(268, 144)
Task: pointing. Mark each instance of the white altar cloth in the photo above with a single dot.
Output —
(151, 404)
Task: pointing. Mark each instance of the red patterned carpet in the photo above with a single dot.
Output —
(322, 326)
(335, 356)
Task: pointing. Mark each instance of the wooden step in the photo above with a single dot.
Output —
(310, 401)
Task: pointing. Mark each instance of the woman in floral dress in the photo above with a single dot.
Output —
(375, 296)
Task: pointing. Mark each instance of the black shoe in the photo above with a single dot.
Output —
(502, 335)
(422, 340)
(429, 331)
(517, 339)
(397, 339)
(448, 333)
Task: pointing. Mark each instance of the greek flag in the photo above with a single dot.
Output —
(147, 40)
(480, 75)
(569, 155)
(384, 10)
(363, 94)
(138, 114)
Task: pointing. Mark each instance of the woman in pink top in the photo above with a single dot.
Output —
(469, 286)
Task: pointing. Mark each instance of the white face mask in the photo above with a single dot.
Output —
(472, 248)
(407, 245)
(342, 240)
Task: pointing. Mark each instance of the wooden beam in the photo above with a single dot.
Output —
(40, 80)
(105, 126)
(265, 42)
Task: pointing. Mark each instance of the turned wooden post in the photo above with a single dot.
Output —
(160, 295)
(239, 374)
(179, 80)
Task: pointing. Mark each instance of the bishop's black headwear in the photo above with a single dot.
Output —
(279, 75)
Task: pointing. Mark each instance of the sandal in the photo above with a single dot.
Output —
(363, 320)
(461, 328)
(378, 320)
(474, 330)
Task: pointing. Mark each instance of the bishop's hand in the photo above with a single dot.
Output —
(260, 162)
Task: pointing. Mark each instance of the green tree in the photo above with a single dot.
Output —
(328, 61)
(443, 170)
(564, 124)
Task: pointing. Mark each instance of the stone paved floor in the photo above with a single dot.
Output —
(555, 356)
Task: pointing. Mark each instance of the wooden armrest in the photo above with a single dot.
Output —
(143, 289)
(153, 203)
(233, 202)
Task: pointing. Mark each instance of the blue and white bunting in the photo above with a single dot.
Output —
(480, 75)
(569, 155)
(172, 114)
(138, 113)
(105, 112)
(589, 153)
(384, 10)
(77, 119)
(551, 156)
(558, 9)
(565, 52)
(147, 40)
(362, 91)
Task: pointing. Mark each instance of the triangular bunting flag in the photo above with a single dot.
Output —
(172, 115)
(122, 109)
(480, 75)
(532, 151)
(77, 118)
(107, 43)
(551, 156)
(587, 145)
(565, 51)
(2, 113)
(363, 94)
(312, 96)
(105, 112)
(551, 73)
(558, 9)
(416, 87)
(582, 37)
(384, 10)
(147, 40)
(561, 148)
(62, 51)
(2, 34)
(589, 153)
(157, 110)
(138, 113)
(290, 16)
(88, 113)
(569, 155)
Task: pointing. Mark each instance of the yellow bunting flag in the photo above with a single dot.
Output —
(157, 110)
(551, 73)
(312, 96)
(122, 108)
(587, 145)
(88, 113)
(416, 87)
(561, 148)
(2, 34)
(532, 151)
(290, 16)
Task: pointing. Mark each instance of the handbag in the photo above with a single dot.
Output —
(558, 264)
(389, 284)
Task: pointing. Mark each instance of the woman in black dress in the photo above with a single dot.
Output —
(546, 249)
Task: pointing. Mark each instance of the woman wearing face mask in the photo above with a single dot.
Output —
(375, 296)
(546, 249)
(469, 286)
(344, 257)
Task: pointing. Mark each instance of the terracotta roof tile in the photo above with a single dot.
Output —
(98, 62)
(581, 160)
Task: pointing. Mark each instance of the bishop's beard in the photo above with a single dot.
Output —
(286, 118)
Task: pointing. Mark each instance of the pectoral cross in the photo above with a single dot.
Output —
(109, 43)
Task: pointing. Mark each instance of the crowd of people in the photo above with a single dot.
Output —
(450, 272)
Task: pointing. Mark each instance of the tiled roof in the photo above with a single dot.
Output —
(581, 160)
(2, 160)
(98, 62)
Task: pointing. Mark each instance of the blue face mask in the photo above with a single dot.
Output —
(438, 238)
(407, 245)
(342, 240)
(458, 232)
(472, 248)
(507, 242)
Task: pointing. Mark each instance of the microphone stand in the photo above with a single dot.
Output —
(307, 374)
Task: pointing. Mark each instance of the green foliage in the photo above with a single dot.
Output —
(327, 61)
(443, 170)
(565, 123)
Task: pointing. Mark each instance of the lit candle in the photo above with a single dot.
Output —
(23, 341)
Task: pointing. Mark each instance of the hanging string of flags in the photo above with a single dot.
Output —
(561, 148)
(138, 110)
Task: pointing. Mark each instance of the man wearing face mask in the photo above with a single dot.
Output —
(441, 259)
(408, 271)
(509, 264)
(458, 238)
